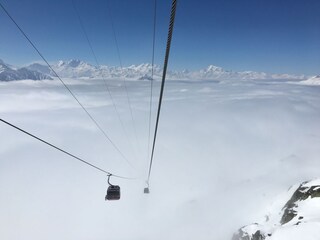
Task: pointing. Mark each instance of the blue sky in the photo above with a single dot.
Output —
(279, 36)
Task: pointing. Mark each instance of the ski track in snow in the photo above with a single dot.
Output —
(225, 151)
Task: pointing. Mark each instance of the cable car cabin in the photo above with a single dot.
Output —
(113, 193)
(146, 190)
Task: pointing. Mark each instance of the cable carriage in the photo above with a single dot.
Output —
(113, 192)
(146, 190)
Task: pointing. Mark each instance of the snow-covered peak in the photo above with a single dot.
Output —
(76, 68)
(8, 73)
(314, 182)
(74, 63)
(144, 67)
(77, 63)
(212, 68)
(71, 63)
(315, 80)
(39, 68)
(60, 63)
(3, 66)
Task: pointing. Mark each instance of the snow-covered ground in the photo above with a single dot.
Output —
(294, 215)
(225, 152)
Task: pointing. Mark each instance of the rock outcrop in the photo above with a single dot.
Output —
(298, 219)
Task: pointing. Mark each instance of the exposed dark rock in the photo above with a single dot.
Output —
(301, 194)
(243, 234)
(258, 236)
(306, 190)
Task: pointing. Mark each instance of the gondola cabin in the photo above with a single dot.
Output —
(146, 190)
(113, 193)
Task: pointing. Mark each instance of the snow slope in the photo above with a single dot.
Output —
(224, 152)
(299, 217)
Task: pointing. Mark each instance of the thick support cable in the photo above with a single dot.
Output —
(69, 90)
(152, 71)
(63, 151)
(165, 66)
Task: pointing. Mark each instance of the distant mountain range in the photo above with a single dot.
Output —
(81, 69)
(10, 73)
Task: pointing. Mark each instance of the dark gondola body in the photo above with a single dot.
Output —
(113, 193)
(146, 190)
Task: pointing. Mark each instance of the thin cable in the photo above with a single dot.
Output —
(85, 33)
(98, 64)
(152, 71)
(63, 151)
(121, 67)
(172, 18)
(69, 90)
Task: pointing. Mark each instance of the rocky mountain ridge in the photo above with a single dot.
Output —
(298, 219)
(10, 73)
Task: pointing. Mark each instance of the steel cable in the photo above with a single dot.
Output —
(63, 151)
(172, 18)
(121, 67)
(69, 90)
(152, 71)
(104, 80)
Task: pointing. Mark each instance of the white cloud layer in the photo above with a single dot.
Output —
(224, 153)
